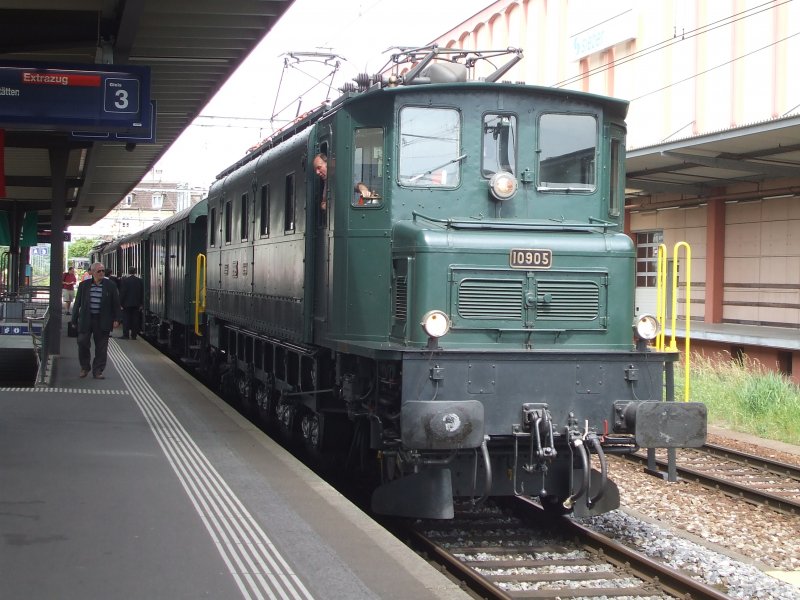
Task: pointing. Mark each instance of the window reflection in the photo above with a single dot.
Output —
(567, 146)
(430, 139)
(499, 144)
(368, 167)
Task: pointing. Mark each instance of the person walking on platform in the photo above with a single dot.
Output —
(68, 281)
(96, 312)
(131, 297)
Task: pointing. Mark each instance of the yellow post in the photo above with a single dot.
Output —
(661, 295)
(688, 304)
(199, 292)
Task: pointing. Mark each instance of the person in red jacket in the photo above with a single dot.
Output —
(68, 281)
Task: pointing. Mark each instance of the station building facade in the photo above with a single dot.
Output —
(713, 147)
(151, 201)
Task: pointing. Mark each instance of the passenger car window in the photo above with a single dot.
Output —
(567, 148)
(430, 140)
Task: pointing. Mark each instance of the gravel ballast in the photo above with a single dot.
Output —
(724, 542)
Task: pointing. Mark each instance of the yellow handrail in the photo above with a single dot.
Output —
(199, 292)
(661, 295)
(688, 305)
(661, 305)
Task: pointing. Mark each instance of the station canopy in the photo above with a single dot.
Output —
(186, 48)
(696, 167)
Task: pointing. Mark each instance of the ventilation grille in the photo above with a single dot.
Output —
(567, 300)
(401, 298)
(490, 299)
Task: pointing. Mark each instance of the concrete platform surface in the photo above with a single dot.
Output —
(145, 485)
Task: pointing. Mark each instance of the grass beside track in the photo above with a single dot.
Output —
(744, 396)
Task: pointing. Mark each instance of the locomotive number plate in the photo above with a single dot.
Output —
(520, 258)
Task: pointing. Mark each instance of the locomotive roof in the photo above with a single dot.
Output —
(436, 69)
(616, 107)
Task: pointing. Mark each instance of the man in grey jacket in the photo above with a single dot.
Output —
(96, 312)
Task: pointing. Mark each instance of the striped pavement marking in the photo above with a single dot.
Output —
(62, 390)
(253, 561)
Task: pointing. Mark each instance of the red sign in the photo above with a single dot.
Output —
(53, 78)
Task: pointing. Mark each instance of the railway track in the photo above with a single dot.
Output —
(520, 552)
(753, 478)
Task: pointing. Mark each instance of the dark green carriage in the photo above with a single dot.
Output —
(171, 278)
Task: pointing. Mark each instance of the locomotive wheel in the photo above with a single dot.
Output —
(311, 430)
(286, 414)
(245, 393)
(228, 387)
(265, 400)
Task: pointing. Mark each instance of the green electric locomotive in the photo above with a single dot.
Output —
(431, 272)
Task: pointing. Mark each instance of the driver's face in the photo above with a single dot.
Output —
(321, 168)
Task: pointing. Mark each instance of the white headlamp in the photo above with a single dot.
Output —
(435, 323)
(503, 185)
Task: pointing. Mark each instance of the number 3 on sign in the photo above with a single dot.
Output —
(121, 95)
(122, 100)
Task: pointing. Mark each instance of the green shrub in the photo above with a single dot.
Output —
(744, 396)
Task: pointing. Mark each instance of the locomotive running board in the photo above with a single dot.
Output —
(424, 495)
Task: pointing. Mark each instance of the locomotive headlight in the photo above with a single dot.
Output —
(646, 327)
(503, 185)
(435, 323)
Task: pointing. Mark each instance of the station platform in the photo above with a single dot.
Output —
(145, 485)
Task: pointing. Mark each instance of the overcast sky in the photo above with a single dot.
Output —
(357, 31)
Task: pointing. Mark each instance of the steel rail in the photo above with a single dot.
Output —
(732, 488)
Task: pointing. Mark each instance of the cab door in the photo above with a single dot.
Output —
(323, 231)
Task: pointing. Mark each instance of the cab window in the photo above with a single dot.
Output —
(367, 167)
(567, 148)
(499, 144)
(430, 141)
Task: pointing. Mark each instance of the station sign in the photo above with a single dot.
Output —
(44, 237)
(66, 97)
(146, 135)
(19, 329)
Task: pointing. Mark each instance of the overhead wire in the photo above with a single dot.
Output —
(328, 43)
(731, 61)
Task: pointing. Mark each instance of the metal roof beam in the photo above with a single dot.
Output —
(36, 181)
(747, 166)
(655, 187)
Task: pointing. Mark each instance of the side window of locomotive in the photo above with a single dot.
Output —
(228, 222)
(499, 144)
(322, 196)
(567, 149)
(264, 227)
(245, 218)
(180, 248)
(430, 141)
(212, 227)
(617, 192)
(288, 218)
(367, 167)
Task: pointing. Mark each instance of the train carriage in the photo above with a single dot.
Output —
(134, 253)
(172, 282)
